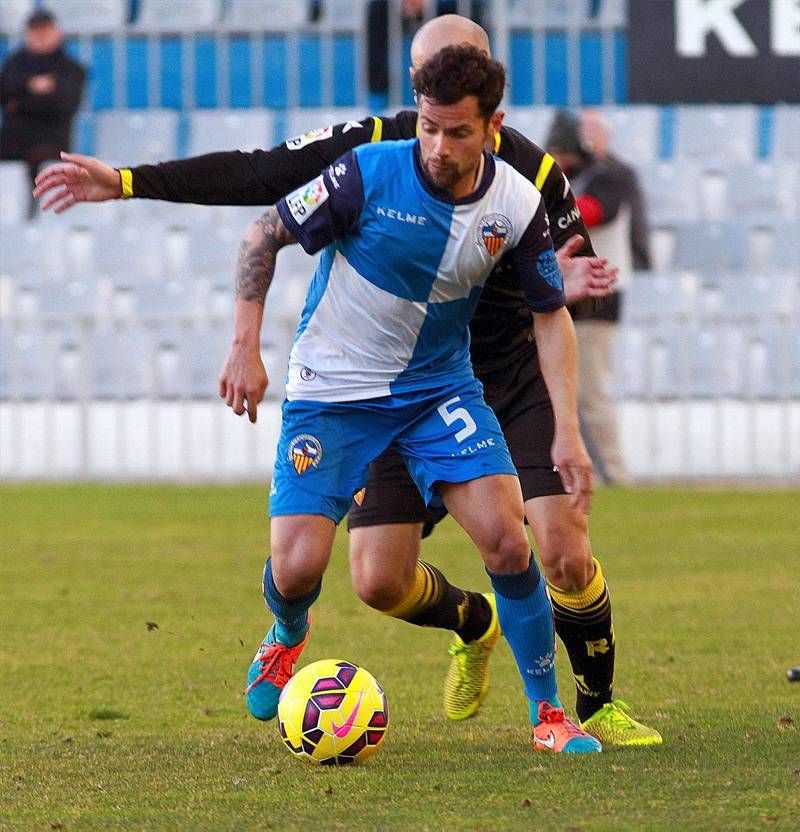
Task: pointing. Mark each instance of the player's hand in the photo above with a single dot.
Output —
(584, 277)
(243, 381)
(574, 466)
(76, 179)
(42, 84)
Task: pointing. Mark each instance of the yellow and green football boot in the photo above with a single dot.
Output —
(467, 681)
(613, 725)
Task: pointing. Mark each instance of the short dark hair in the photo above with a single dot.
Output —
(458, 71)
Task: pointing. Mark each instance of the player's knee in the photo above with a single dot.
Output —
(508, 551)
(379, 594)
(565, 551)
(297, 568)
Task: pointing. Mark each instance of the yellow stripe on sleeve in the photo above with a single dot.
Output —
(126, 177)
(377, 129)
(544, 170)
(496, 143)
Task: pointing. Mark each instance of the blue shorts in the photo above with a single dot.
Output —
(446, 435)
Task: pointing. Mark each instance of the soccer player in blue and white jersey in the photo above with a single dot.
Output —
(410, 232)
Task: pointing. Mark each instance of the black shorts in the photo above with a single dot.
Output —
(518, 395)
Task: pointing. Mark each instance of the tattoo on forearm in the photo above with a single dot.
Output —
(257, 255)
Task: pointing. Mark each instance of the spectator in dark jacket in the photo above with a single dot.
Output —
(40, 92)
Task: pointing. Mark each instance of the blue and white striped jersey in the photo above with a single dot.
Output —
(403, 267)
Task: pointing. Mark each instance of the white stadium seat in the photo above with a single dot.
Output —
(266, 15)
(89, 17)
(670, 190)
(15, 192)
(178, 15)
(533, 122)
(716, 134)
(786, 132)
(136, 137)
(635, 132)
(215, 130)
(13, 14)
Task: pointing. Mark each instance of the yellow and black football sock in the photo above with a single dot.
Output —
(433, 602)
(584, 624)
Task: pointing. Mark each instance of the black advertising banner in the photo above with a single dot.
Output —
(728, 51)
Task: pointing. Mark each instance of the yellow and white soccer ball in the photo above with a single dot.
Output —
(333, 712)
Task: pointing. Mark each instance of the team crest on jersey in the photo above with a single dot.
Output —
(317, 135)
(358, 497)
(305, 451)
(494, 231)
(547, 266)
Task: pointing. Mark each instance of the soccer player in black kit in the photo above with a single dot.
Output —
(388, 518)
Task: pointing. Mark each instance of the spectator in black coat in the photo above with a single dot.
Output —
(40, 92)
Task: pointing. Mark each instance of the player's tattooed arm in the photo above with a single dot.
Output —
(244, 379)
(258, 254)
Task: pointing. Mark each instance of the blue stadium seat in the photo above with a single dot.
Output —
(135, 137)
(89, 17)
(177, 16)
(716, 133)
(786, 132)
(213, 130)
(15, 192)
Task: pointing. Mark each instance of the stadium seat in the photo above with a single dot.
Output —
(710, 247)
(13, 14)
(69, 301)
(786, 132)
(774, 246)
(214, 251)
(28, 251)
(167, 300)
(266, 15)
(653, 295)
(134, 252)
(15, 192)
(757, 297)
(26, 366)
(670, 190)
(629, 361)
(213, 130)
(635, 132)
(204, 350)
(133, 137)
(89, 17)
(666, 360)
(716, 134)
(178, 15)
(533, 122)
(758, 191)
(120, 363)
(343, 15)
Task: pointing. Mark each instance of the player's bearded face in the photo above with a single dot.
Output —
(451, 139)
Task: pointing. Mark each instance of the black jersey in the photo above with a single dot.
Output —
(502, 324)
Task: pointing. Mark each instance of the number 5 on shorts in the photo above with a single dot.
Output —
(457, 414)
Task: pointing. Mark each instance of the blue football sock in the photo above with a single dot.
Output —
(291, 616)
(526, 619)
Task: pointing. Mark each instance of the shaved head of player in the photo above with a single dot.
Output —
(458, 93)
(447, 30)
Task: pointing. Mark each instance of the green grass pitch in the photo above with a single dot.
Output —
(130, 614)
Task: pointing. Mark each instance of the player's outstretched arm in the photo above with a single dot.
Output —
(244, 379)
(558, 358)
(584, 277)
(77, 179)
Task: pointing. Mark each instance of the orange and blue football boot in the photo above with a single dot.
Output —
(269, 674)
(554, 732)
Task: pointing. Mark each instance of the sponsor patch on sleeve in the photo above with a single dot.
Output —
(312, 136)
(304, 201)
